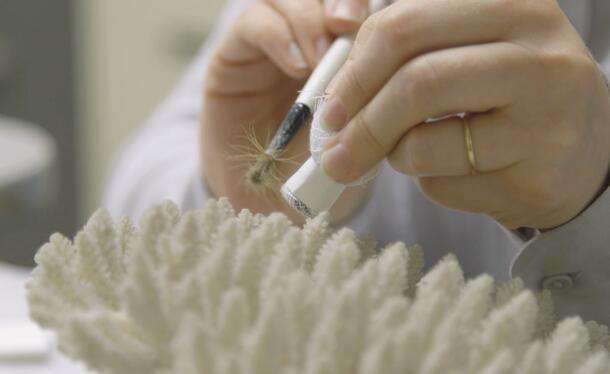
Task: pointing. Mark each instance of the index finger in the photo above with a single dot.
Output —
(473, 79)
(401, 32)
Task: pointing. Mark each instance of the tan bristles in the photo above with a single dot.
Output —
(262, 175)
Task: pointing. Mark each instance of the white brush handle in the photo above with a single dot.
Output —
(326, 70)
(333, 60)
(310, 191)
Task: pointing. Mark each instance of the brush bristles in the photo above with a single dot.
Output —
(261, 168)
(263, 173)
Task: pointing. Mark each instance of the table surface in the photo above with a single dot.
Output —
(14, 310)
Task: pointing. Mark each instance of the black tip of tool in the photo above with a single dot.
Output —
(295, 119)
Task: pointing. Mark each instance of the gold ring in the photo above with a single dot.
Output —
(469, 147)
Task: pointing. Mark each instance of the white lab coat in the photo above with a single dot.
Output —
(162, 162)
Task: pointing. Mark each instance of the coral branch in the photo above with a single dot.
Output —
(214, 292)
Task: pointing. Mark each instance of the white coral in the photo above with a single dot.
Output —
(211, 292)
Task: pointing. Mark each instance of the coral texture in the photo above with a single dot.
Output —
(211, 292)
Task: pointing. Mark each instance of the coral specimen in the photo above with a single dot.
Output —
(212, 292)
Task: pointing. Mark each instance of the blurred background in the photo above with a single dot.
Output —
(76, 79)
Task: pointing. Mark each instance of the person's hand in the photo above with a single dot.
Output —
(539, 108)
(253, 78)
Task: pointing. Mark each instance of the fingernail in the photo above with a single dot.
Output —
(322, 46)
(298, 59)
(349, 10)
(337, 163)
(334, 114)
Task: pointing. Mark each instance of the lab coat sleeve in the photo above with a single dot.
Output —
(573, 261)
(162, 160)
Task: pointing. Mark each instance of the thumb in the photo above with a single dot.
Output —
(345, 16)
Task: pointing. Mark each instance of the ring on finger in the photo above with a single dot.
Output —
(472, 161)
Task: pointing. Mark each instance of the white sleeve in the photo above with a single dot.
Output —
(162, 160)
(573, 260)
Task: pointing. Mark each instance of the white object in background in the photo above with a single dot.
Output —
(25, 151)
(28, 188)
(21, 341)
